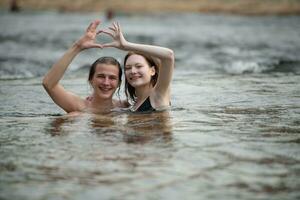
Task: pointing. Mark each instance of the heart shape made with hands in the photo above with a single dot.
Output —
(114, 31)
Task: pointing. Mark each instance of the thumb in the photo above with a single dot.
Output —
(97, 46)
(108, 45)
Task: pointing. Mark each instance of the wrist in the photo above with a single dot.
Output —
(76, 47)
(126, 45)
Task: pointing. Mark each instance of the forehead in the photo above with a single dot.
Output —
(133, 59)
(107, 69)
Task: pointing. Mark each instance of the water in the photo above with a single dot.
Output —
(232, 133)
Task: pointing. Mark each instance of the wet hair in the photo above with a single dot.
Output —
(108, 61)
(129, 90)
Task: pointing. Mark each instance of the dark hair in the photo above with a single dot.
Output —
(108, 61)
(129, 90)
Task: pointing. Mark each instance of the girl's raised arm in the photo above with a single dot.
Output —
(165, 56)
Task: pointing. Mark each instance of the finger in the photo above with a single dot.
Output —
(115, 26)
(113, 29)
(119, 27)
(95, 24)
(100, 31)
(108, 45)
(108, 33)
(97, 46)
(89, 27)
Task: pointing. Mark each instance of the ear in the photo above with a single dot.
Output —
(152, 70)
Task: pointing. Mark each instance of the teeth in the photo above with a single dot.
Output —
(136, 77)
(105, 89)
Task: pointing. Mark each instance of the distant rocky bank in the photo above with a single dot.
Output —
(244, 7)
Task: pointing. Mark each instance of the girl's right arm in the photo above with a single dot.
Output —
(63, 98)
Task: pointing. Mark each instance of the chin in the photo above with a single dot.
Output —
(138, 84)
(105, 96)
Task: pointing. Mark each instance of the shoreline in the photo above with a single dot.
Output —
(239, 7)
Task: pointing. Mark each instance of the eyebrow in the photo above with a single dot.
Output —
(104, 74)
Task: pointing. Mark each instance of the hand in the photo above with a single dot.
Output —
(88, 40)
(117, 36)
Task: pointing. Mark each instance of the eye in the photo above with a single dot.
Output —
(127, 68)
(100, 76)
(113, 78)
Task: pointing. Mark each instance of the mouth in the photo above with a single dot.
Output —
(105, 90)
(134, 78)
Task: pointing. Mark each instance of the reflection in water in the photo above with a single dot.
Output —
(134, 128)
(64, 124)
(142, 128)
(105, 150)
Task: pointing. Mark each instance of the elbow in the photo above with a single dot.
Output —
(171, 55)
(45, 83)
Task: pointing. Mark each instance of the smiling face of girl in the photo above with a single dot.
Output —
(138, 72)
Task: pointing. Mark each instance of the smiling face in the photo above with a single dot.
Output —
(138, 72)
(105, 80)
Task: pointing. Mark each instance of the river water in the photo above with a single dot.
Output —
(233, 131)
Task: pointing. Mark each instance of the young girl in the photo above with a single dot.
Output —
(104, 77)
(148, 72)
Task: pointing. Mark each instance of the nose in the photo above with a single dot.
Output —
(106, 81)
(133, 70)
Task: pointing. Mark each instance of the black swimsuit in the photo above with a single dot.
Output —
(146, 106)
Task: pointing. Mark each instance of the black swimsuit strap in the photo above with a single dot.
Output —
(146, 106)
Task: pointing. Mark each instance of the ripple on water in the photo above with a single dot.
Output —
(232, 132)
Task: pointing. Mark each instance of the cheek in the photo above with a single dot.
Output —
(126, 74)
(149, 73)
(96, 81)
(115, 83)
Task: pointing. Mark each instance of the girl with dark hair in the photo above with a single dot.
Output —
(148, 72)
(104, 77)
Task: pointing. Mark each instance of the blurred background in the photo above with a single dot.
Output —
(141, 6)
(233, 129)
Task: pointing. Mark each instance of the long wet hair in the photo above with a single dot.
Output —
(129, 90)
(108, 61)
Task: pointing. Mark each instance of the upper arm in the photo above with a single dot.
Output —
(166, 68)
(65, 99)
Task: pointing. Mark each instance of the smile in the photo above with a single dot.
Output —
(105, 89)
(135, 77)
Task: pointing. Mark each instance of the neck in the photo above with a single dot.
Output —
(143, 91)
